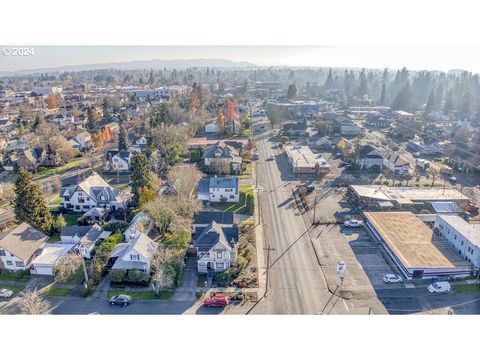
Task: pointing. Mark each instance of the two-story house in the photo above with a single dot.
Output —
(369, 156)
(90, 193)
(396, 163)
(118, 160)
(84, 139)
(219, 189)
(222, 152)
(215, 245)
(20, 246)
(134, 254)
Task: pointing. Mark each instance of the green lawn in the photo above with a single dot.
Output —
(467, 288)
(13, 276)
(58, 170)
(54, 239)
(243, 206)
(71, 219)
(53, 291)
(247, 174)
(142, 295)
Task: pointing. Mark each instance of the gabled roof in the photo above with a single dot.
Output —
(220, 149)
(369, 151)
(220, 217)
(23, 241)
(122, 154)
(214, 233)
(397, 160)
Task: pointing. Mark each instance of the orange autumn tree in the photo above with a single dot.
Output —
(220, 120)
(52, 101)
(101, 137)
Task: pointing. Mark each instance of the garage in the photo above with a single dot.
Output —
(44, 264)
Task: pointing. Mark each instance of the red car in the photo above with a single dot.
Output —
(216, 301)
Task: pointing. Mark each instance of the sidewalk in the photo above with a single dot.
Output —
(260, 242)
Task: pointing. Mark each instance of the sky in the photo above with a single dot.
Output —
(415, 58)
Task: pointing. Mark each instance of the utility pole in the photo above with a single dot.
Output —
(314, 210)
(85, 272)
(268, 249)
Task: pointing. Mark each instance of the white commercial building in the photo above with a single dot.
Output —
(461, 235)
(158, 93)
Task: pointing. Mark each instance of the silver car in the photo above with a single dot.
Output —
(392, 278)
(5, 293)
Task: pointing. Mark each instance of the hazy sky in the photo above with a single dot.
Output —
(415, 58)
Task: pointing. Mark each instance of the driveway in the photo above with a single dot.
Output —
(186, 290)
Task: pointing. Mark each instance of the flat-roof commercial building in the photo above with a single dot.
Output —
(413, 247)
(304, 161)
(461, 235)
(403, 198)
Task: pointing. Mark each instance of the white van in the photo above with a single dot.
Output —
(439, 287)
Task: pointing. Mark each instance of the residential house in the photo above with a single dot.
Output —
(211, 127)
(215, 245)
(350, 129)
(375, 119)
(90, 193)
(219, 189)
(139, 145)
(233, 126)
(28, 159)
(424, 148)
(85, 140)
(134, 254)
(20, 246)
(396, 163)
(369, 156)
(118, 160)
(85, 238)
(6, 124)
(203, 218)
(222, 151)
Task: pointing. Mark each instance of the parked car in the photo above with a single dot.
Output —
(310, 188)
(5, 293)
(216, 301)
(439, 287)
(122, 300)
(352, 223)
(342, 164)
(270, 158)
(416, 154)
(452, 179)
(392, 278)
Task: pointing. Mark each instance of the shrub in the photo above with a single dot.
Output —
(223, 277)
(138, 277)
(115, 226)
(117, 275)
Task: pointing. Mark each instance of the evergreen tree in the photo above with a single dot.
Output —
(383, 95)
(439, 97)
(92, 123)
(403, 99)
(37, 122)
(292, 91)
(140, 177)
(162, 116)
(29, 203)
(448, 102)
(430, 104)
(329, 83)
(122, 138)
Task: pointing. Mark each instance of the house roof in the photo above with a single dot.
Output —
(397, 160)
(23, 241)
(471, 232)
(370, 152)
(122, 154)
(223, 182)
(213, 234)
(52, 253)
(220, 217)
(220, 149)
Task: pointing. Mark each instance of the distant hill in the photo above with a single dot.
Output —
(155, 64)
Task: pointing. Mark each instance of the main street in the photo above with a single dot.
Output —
(295, 281)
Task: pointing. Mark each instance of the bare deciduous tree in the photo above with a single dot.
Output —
(434, 174)
(32, 303)
(163, 273)
(67, 266)
(220, 166)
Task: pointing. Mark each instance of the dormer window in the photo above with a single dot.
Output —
(134, 257)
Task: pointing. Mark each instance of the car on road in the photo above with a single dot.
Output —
(216, 301)
(352, 223)
(392, 278)
(452, 179)
(310, 188)
(121, 299)
(439, 287)
(270, 158)
(416, 154)
(5, 293)
(342, 164)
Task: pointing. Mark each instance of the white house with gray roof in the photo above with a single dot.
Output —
(85, 238)
(222, 152)
(219, 189)
(215, 245)
(90, 193)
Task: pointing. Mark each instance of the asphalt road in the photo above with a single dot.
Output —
(296, 284)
